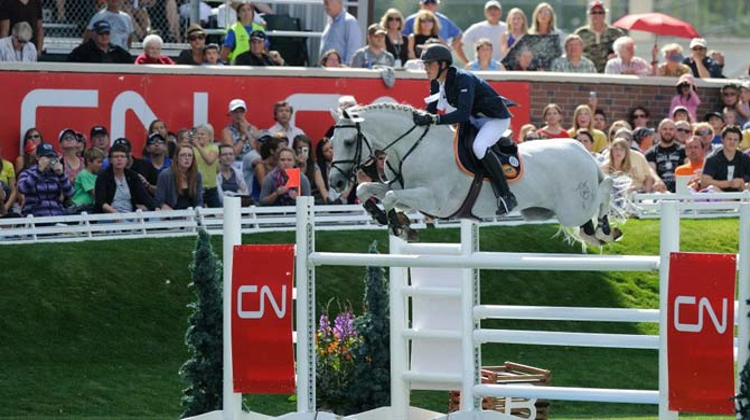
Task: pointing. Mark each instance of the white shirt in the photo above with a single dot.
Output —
(8, 53)
(291, 133)
(484, 30)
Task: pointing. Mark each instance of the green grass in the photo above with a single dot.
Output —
(95, 330)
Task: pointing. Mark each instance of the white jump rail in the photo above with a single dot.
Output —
(466, 256)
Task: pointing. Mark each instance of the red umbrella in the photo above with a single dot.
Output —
(657, 23)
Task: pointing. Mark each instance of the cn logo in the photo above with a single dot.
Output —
(265, 294)
(704, 306)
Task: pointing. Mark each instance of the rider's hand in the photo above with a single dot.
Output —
(424, 118)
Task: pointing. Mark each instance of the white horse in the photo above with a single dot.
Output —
(560, 178)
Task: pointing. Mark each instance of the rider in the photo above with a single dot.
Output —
(476, 102)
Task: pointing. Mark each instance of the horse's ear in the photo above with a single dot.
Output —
(335, 115)
(345, 113)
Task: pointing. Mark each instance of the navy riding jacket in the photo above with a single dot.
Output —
(471, 96)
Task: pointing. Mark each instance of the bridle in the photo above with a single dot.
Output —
(369, 165)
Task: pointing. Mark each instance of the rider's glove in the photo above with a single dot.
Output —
(424, 118)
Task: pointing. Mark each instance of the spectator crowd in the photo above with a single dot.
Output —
(191, 167)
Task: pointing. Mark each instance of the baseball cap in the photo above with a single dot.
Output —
(259, 35)
(67, 131)
(211, 46)
(492, 3)
(697, 42)
(122, 141)
(236, 104)
(429, 1)
(713, 114)
(375, 28)
(641, 133)
(596, 4)
(99, 130)
(102, 26)
(45, 149)
(680, 108)
(155, 137)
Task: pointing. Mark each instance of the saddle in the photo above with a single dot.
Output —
(469, 164)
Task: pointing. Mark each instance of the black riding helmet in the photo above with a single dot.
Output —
(437, 52)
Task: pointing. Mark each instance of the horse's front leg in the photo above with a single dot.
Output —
(369, 193)
(415, 198)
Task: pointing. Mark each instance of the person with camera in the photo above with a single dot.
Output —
(45, 185)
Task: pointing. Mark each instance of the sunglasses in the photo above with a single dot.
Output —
(683, 85)
(683, 130)
(196, 37)
(703, 133)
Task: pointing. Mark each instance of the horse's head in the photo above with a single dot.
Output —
(350, 149)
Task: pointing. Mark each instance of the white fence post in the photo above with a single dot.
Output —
(398, 278)
(743, 328)
(669, 241)
(232, 403)
(472, 363)
(305, 276)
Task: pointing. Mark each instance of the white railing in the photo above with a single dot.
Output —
(692, 206)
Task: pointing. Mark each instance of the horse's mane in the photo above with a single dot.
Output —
(385, 106)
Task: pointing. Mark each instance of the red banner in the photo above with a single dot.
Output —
(127, 103)
(700, 336)
(262, 346)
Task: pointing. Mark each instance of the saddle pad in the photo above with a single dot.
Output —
(469, 164)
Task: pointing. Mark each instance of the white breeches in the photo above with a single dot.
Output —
(490, 130)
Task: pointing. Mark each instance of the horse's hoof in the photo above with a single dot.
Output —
(590, 239)
(615, 235)
(396, 231)
(403, 219)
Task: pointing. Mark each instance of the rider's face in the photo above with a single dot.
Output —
(432, 68)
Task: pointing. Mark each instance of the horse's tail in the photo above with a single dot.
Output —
(621, 205)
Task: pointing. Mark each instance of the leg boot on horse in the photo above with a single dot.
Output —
(506, 201)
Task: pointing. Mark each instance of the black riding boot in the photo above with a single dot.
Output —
(506, 201)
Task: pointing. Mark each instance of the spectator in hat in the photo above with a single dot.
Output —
(72, 163)
(145, 170)
(157, 148)
(44, 185)
(686, 96)
(730, 100)
(99, 137)
(728, 169)
(448, 31)
(716, 121)
(672, 65)
(237, 40)
(573, 61)
(99, 49)
(341, 32)
(212, 55)
(119, 189)
(257, 55)
(18, 46)
(197, 40)
(374, 53)
(626, 61)
(696, 155)
(680, 113)
(701, 64)
(598, 36)
(119, 25)
(492, 28)
(152, 45)
(643, 139)
(239, 133)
